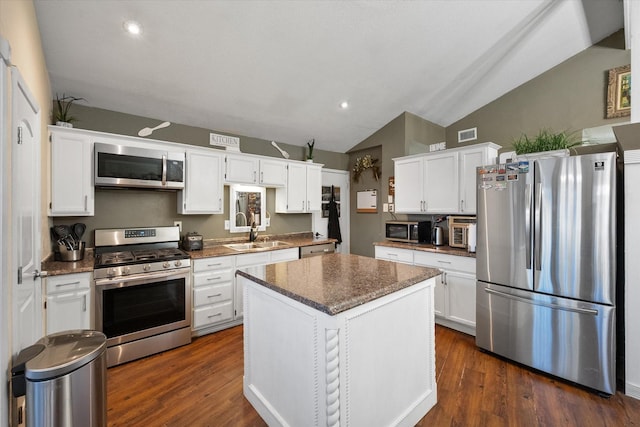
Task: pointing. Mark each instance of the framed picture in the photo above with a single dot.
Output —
(619, 92)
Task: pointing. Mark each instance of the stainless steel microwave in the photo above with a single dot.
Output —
(402, 231)
(121, 166)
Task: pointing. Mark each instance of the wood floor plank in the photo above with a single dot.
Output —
(200, 385)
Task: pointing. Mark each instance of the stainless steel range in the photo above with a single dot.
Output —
(143, 291)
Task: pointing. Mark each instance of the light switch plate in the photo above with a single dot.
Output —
(385, 207)
(267, 222)
(226, 224)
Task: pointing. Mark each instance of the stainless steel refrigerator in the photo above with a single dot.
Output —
(546, 260)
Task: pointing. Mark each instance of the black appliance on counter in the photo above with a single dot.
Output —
(424, 231)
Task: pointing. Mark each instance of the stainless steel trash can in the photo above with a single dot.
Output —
(67, 381)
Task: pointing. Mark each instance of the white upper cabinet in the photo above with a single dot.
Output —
(241, 169)
(72, 192)
(470, 159)
(203, 188)
(408, 178)
(441, 183)
(273, 173)
(303, 192)
(248, 169)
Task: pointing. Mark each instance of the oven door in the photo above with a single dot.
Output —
(139, 306)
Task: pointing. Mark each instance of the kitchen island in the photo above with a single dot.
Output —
(340, 340)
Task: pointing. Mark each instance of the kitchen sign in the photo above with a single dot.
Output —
(230, 143)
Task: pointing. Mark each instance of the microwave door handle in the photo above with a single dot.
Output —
(164, 169)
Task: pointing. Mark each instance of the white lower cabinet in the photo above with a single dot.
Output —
(212, 291)
(217, 296)
(67, 302)
(404, 256)
(455, 290)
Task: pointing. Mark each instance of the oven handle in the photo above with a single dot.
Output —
(140, 279)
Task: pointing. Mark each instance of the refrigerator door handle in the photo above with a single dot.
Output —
(543, 304)
(537, 238)
(527, 223)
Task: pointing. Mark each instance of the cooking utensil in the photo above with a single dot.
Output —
(284, 153)
(64, 234)
(149, 131)
(79, 229)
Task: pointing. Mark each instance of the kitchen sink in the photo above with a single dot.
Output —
(271, 244)
(241, 246)
(257, 245)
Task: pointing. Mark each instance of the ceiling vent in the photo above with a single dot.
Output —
(468, 135)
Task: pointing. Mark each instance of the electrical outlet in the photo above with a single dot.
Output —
(226, 224)
(267, 222)
(392, 207)
(178, 224)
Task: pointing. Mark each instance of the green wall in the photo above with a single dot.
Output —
(406, 134)
(569, 97)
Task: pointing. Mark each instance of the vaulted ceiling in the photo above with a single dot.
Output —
(278, 70)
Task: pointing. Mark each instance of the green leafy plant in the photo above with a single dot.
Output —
(310, 144)
(62, 106)
(545, 140)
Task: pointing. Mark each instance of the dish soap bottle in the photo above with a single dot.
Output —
(253, 234)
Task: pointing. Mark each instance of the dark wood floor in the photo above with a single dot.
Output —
(201, 385)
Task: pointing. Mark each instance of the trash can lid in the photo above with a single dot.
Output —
(65, 352)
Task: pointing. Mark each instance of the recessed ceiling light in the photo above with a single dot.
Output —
(344, 105)
(132, 27)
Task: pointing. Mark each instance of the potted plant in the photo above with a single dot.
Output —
(61, 115)
(310, 144)
(545, 140)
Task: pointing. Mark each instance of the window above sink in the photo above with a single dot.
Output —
(248, 205)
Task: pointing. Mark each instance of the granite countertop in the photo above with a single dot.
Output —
(427, 247)
(337, 282)
(213, 248)
(55, 268)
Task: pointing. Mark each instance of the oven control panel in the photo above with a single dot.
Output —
(144, 232)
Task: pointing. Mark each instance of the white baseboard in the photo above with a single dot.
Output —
(632, 390)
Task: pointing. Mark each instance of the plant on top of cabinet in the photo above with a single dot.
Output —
(61, 111)
(310, 144)
(545, 140)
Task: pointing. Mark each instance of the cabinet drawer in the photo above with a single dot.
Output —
(447, 262)
(215, 313)
(212, 277)
(68, 282)
(394, 254)
(244, 260)
(215, 263)
(212, 294)
(284, 255)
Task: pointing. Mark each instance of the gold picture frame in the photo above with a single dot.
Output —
(619, 92)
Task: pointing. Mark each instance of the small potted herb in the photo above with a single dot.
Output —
(61, 115)
(310, 144)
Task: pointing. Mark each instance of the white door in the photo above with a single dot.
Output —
(340, 180)
(5, 302)
(25, 204)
